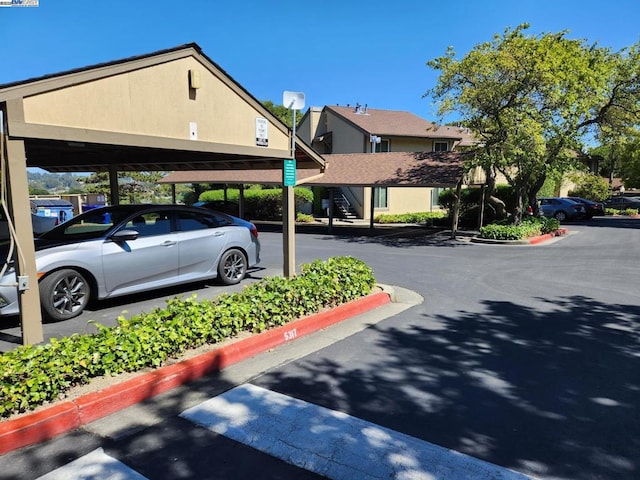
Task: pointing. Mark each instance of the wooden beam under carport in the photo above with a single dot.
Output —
(28, 298)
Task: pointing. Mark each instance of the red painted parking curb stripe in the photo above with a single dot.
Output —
(49, 422)
(548, 236)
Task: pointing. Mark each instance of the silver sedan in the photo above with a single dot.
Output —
(123, 249)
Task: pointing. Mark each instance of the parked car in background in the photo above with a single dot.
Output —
(123, 249)
(592, 209)
(622, 203)
(561, 209)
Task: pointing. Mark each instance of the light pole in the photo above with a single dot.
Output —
(293, 101)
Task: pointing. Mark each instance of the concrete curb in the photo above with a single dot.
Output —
(548, 236)
(50, 422)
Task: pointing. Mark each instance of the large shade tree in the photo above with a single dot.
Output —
(536, 100)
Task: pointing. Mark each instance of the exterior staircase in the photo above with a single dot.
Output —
(344, 209)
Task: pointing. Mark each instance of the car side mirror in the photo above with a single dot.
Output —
(124, 235)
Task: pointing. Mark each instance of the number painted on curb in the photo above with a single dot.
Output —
(290, 335)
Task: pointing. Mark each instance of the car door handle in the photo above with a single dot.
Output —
(218, 234)
(168, 243)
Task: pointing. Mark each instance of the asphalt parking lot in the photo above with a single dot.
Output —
(525, 356)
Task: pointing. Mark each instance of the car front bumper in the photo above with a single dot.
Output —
(9, 295)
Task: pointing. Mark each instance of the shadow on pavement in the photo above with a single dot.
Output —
(550, 393)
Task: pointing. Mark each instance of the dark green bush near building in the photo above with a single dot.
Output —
(34, 375)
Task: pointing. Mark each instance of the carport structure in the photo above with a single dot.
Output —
(387, 169)
(172, 110)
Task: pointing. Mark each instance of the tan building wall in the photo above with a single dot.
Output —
(345, 137)
(148, 102)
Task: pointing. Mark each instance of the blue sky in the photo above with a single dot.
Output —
(336, 52)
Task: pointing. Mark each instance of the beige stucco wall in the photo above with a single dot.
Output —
(308, 127)
(404, 200)
(156, 101)
(346, 138)
(409, 200)
(408, 144)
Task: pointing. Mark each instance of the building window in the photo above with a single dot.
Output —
(380, 197)
(440, 146)
(383, 146)
(435, 196)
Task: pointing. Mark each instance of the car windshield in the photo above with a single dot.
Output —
(92, 224)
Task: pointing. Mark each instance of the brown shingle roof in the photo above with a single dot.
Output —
(432, 169)
(396, 123)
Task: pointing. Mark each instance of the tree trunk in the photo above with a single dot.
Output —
(498, 205)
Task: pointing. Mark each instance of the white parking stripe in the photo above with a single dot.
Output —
(332, 443)
(94, 465)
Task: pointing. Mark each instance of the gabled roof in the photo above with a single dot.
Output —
(67, 148)
(396, 123)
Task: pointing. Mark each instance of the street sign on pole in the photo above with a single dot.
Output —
(289, 172)
(293, 101)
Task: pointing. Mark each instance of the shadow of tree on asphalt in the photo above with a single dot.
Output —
(552, 393)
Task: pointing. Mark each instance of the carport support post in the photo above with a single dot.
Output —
(331, 198)
(114, 189)
(372, 206)
(29, 299)
(241, 200)
(288, 231)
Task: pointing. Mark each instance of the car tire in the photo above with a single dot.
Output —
(232, 267)
(560, 216)
(64, 294)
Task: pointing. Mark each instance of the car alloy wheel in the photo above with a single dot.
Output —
(232, 267)
(560, 216)
(64, 294)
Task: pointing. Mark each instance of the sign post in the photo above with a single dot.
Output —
(293, 101)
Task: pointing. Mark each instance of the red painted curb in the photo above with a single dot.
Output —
(47, 423)
(548, 236)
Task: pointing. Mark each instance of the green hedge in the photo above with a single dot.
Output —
(419, 217)
(627, 212)
(33, 375)
(260, 204)
(530, 227)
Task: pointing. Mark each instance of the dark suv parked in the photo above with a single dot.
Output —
(592, 209)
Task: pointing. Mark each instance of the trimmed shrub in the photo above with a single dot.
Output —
(530, 227)
(304, 218)
(260, 204)
(614, 211)
(419, 217)
(36, 374)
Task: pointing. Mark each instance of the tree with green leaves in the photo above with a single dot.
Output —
(535, 100)
(133, 187)
(282, 112)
